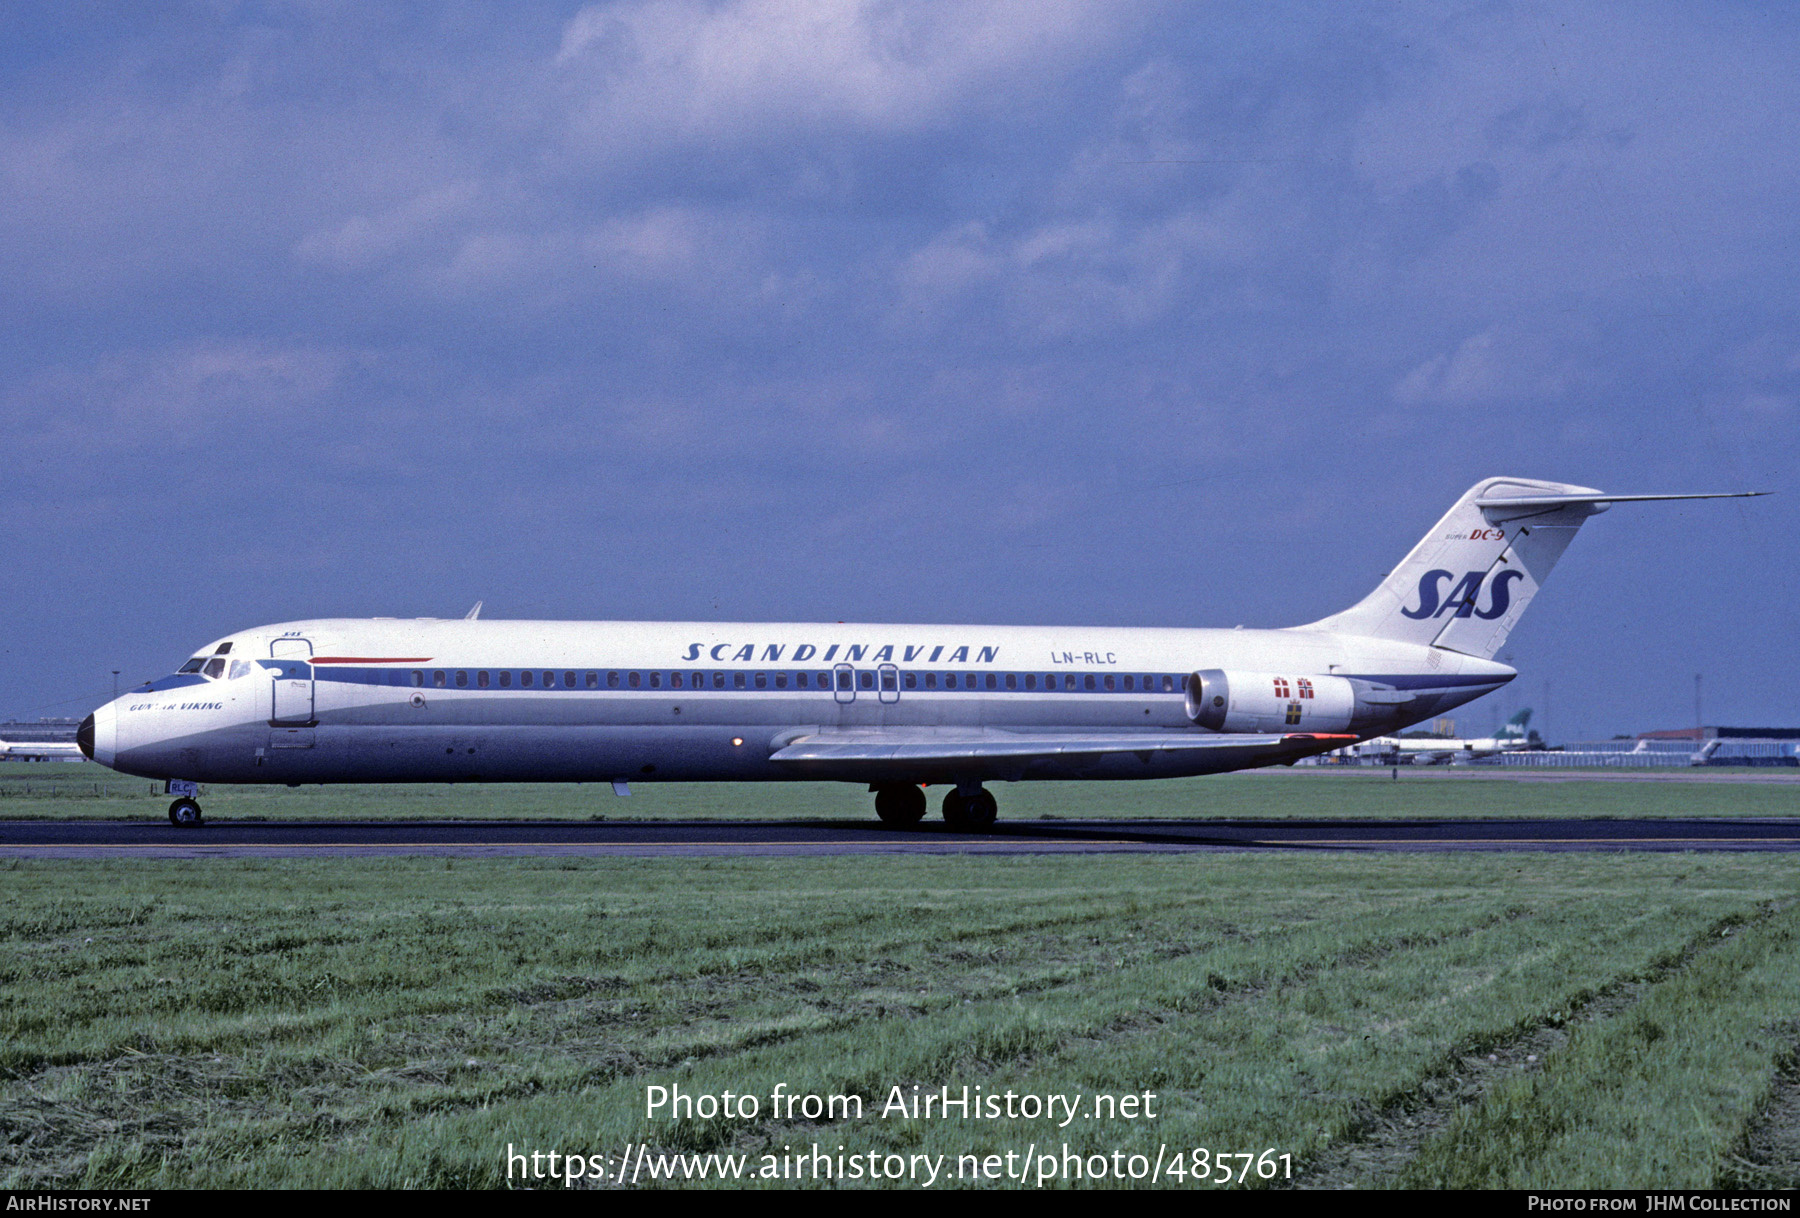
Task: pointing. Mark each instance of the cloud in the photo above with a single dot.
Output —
(1495, 366)
(650, 70)
(223, 392)
(363, 240)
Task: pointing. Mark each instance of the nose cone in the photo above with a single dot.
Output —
(98, 735)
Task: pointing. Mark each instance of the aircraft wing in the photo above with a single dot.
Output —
(951, 752)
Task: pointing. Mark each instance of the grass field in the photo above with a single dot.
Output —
(31, 791)
(1573, 1021)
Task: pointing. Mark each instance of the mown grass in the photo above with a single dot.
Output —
(90, 792)
(399, 1022)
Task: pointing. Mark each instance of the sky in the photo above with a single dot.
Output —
(1061, 313)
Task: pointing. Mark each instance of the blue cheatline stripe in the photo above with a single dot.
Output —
(177, 681)
(744, 680)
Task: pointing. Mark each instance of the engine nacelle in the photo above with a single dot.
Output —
(1272, 702)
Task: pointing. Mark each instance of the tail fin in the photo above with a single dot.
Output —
(1466, 584)
(1468, 581)
(1516, 728)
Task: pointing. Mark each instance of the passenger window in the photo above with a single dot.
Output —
(912, 680)
(1110, 684)
(1088, 681)
(656, 680)
(612, 680)
(437, 678)
(549, 680)
(867, 679)
(781, 680)
(799, 680)
(843, 681)
(718, 680)
(462, 680)
(1168, 683)
(949, 680)
(481, 679)
(418, 677)
(737, 680)
(991, 683)
(1031, 680)
(674, 680)
(1012, 680)
(568, 680)
(1130, 682)
(593, 680)
(762, 680)
(525, 679)
(634, 680)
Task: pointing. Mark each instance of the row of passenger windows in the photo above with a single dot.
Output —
(842, 678)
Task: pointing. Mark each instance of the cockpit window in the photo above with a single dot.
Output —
(215, 667)
(192, 665)
(239, 668)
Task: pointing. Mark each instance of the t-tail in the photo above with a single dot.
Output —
(1468, 581)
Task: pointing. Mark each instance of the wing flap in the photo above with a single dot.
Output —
(1004, 753)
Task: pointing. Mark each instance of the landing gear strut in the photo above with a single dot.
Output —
(899, 804)
(970, 809)
(184, 813)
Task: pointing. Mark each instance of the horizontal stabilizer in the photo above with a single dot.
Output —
(1504, 506)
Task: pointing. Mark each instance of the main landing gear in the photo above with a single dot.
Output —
(184, 813)
(969, 808)
(899, 804)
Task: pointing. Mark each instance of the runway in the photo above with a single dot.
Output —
(667, 839)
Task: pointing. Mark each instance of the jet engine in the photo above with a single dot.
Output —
(1273, 702)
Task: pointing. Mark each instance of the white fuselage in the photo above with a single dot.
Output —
(388, 700)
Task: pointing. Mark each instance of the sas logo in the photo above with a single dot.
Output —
(1464, 596)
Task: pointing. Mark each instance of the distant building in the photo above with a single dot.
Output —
(40, 731)
(1699, 735)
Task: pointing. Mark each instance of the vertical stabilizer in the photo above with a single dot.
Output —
(1468, 581)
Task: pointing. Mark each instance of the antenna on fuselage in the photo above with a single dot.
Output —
(474, 613)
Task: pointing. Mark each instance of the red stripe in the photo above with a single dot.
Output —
(371, 659)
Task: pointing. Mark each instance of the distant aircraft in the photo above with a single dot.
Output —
(1514, 737)
(38, 750)
(898, 707)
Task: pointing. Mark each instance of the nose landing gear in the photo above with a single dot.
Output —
(184, 813)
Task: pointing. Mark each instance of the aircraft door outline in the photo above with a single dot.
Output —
(291, 696)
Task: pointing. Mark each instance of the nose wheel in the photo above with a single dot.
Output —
(184, 813)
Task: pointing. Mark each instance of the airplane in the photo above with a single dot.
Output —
(899, 707)
(39, 750)
(1514, 737)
